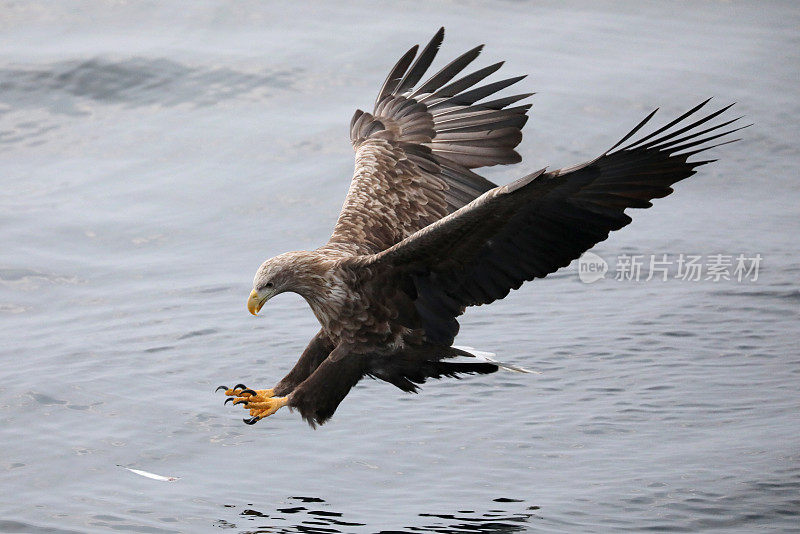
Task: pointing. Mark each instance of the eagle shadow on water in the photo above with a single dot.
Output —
(421, 236)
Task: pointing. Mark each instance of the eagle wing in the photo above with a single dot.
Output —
(540, 223)
(415, 150)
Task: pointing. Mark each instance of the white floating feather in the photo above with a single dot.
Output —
(150, 475)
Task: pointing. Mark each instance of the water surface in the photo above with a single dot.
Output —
(154, 154)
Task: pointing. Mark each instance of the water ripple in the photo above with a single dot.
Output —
(60, 87)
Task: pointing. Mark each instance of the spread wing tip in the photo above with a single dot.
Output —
(677, 137)
(449, 114)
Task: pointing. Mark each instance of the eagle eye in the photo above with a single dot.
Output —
(268, 284)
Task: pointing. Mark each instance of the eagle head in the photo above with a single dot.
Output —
(286, 272)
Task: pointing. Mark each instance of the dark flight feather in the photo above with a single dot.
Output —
(417, 71)
(395, 75)
(448, 72)
(461, 84)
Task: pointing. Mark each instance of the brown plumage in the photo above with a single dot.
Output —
(421, 236)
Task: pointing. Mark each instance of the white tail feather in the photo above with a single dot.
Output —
(487, 356)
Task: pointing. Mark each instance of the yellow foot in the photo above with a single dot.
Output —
(261, 402)
(260, 410)
(242, 391)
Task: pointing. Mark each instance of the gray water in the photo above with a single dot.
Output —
(153, 154)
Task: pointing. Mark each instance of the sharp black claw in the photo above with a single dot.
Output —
(250, 391)
(239, 386)
(251, 421)
(240, 401)
(229, 399)
(224, 388)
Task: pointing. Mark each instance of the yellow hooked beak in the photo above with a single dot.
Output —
(254, 304)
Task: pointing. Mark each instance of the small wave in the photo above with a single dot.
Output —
(23, 528)
(793, 294)
(60, 87)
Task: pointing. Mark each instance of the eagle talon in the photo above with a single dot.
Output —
(224, 388)
(260, 403)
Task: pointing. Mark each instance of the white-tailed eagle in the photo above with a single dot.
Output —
(421, 236)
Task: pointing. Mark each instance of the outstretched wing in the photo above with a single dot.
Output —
(534, 226)
(415, 150)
